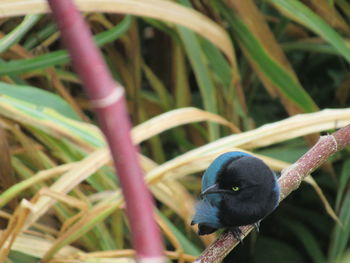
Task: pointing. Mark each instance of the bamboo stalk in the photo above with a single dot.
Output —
(107, 96)
(289, 181)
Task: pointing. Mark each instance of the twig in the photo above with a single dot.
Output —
(289, 181)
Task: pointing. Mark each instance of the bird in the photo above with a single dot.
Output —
(237, 189)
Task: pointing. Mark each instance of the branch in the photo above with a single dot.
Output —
(289, 181)
(108, 98)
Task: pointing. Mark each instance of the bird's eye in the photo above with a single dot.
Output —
(235, 188)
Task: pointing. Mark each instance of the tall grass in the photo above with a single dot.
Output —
(200, 77)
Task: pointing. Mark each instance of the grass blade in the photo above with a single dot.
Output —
(15, 35)
(272, 70)
(61, 57)
(341, 233)
(300, 13)
(310, 243)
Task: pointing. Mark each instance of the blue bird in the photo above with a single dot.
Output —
(237, 189)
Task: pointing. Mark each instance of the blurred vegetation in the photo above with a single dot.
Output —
(247, 63)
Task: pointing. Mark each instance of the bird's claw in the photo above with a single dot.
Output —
(237, 233)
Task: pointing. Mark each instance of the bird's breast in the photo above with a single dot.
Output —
(234, 213)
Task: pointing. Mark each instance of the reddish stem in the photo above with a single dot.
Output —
(108, 98)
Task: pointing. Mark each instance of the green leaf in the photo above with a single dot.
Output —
(342, 232)
(15, 35)
(273, 71)
(288, 151)
(16, 256)
(39, 97)
(41, 62)
(345, 258)
(300, 13)
(218, 63)
(345, 6)
(322, 48)
(158, 86)
(201, 71)
(269, 248)
(48, 120)
(61, 56)
(343, 182)
(309, 241)
(40, 36)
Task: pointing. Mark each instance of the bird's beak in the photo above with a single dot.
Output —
(214, 189)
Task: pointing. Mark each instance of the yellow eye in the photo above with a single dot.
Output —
(235, 188)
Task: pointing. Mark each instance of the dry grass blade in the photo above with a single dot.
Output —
(94, 260)
(330, 14)
(9, 235)
(114, 201)
(202, 163)
(300, 125)
(293, 127)
(158, 9)
(53, 123)
(125, 254)
(70, 200)
(171, 193)
(47, 229)
(255, 20)
(175, 196)
(197, 159)
(310, 180)
(79, 204)
(11, 192)
(62, 90)
(36, 246)
(87, 221)
(6, 172)
(274, 164)
(175, 118)
(69, 180)
(28, 145)
(171, 237)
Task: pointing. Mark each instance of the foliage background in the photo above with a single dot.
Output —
(248, 63)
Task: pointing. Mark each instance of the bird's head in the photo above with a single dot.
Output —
(242, 179)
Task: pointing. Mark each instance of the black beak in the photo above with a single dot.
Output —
(214, 189)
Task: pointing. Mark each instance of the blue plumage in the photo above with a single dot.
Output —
(237, 189)
(206, 212)
(210, 175)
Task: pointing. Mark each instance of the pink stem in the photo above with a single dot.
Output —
(289, 181)
(107, 96)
